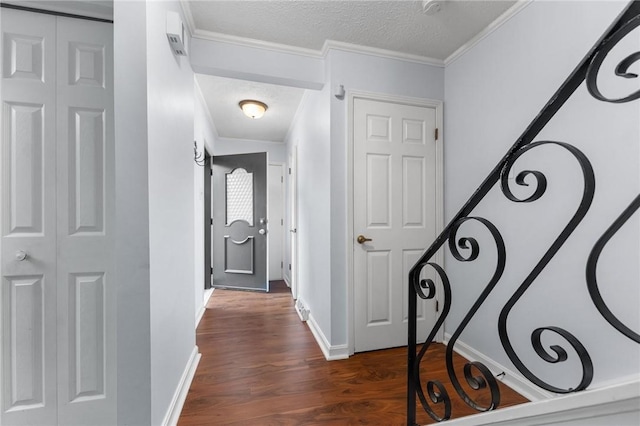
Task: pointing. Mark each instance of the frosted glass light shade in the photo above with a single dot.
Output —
(253, 109)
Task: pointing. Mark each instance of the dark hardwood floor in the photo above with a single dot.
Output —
(261, 366)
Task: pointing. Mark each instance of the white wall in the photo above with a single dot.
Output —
(205, 134)
(371, 74)
(171, 209)
(491, 94)
(310, 133)
(276, 151)
(233, 60)
(132, 214)
(320, 132)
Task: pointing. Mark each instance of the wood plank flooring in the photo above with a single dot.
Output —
(261, 366)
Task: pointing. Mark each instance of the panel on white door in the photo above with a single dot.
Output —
(87, 64)
(86, 170)
(87, 335)
(378, 190)
(23, 56)
(26, 154)
(378, 287)
(378, 128)
(413, 194)
(413, 131)
(23, 342)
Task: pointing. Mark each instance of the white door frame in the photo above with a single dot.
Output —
(352, 95)
(281, 165)
(293, 221)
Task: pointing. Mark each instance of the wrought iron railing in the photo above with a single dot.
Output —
(433, 393)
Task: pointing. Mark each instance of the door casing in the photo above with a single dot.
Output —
(208, 218)
(275, 233)
(352, 95)
(293, 220)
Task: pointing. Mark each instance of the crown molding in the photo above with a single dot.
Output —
(316, 54)
(382, 53)
(489, 29)
(188, 16)
(256, 44)
(240, 140)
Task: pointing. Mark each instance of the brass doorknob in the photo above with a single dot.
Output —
(362, 239)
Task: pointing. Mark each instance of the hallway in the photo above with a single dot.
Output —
(261, 366)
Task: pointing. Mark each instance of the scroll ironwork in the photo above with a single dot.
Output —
(433, 396)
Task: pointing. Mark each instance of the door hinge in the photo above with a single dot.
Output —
(210, 172)
(281, 265)
(281, 221)
(289, 170)
(437, 306)
(211, 221)
(211, 271)
(281, 179)
(436, 133)
(289, 266)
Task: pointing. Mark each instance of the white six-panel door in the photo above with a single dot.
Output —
(85, 184)
(29, 291)
(57, 178)
(394, 178)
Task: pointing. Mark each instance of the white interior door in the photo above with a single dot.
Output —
(394, 169)
(86, 209)
(275, 220)
(57, 180)
(28, 185)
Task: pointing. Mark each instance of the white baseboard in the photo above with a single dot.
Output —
(203, 308)
(286, 280)
(331, 353)
(511, 378)
(200, 314)
(180, 395)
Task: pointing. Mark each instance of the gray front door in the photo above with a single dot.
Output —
(240, 221)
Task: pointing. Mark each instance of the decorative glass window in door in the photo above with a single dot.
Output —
(239, 196)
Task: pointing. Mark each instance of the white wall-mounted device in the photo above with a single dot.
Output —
(431, 7)
(175, 34)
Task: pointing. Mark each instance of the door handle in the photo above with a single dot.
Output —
(362, 239)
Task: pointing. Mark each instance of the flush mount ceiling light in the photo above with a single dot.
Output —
(253, 109)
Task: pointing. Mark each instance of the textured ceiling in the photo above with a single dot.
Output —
(397, 25)
(393, 25)
(223, 95)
